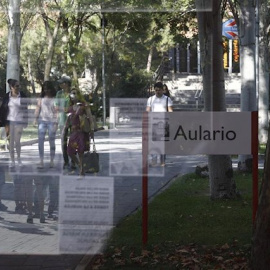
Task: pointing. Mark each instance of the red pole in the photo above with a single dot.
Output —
(255, 147)
(145, 179)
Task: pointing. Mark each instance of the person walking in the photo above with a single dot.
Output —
(78, 141)
(159, 103)
(46, 116)
(62, 104)
(166, 90)
(14, 117)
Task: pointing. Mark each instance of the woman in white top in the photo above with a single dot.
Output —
(46, 116)
(14, 118)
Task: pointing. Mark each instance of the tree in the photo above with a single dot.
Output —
(222, 184)
(263, 46)
(51, 27)
(247, 63)
(261, 235)
(260, 254)
(14, 40)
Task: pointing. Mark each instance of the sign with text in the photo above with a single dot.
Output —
(190, 133)
(85, 213)
(127, 112)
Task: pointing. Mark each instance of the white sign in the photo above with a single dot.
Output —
(189, 133)
(85, 213)
(127, 111)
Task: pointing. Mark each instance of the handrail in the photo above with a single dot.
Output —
(198, 93)
(158, 74)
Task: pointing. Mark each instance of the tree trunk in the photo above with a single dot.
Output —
(263, 70)
(30, 75)
(51, 37)
(222, 184)
(14, 40)
(49, 58)
(260, 255)
(247, 63)
(149, 59)
(75, 73)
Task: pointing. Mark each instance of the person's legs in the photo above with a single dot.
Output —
(19, 193)
(52, 133)
(64, 140)
(7, 131)
(36, 205)
(17, 138)
(162, 160)
(28, 187)
(42, 127)
(10, 134)
(81, 163)
(2, 182)
(40, 196)
(53, 190)
(153, 161)
(74, 158)
(82, 142)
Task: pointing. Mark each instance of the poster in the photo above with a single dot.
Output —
(85, 213)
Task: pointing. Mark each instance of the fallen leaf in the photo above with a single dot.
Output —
(145, 253)
(226, 246)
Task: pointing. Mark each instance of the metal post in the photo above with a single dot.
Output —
(255, 161)
(103, 70)
(145, 179)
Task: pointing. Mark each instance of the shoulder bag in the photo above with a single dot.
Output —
(91, 160)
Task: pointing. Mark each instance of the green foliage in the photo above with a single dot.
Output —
(185, 214)
(186, 231)
(132, 30)
(130, 83)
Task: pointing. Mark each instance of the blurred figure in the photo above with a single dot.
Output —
(52, 183)
(166, 90)
(2, 182)
(159, 103)
(14, 116)
(39, 183)
(79, 141)
(20, 191)
(62, 104)
(46, 116)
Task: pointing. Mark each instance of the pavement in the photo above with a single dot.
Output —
(51, 245)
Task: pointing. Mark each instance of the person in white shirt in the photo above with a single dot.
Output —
(14, 117)
(159, 103)
(46, 116)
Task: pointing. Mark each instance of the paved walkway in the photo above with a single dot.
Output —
(37, 246)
